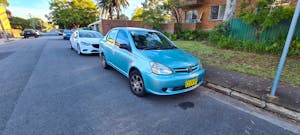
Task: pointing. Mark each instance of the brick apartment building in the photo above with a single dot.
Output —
(195, 14)
(206, 14)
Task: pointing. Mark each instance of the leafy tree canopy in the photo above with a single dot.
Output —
(73, 13)
(123, 17)
(154, 13)
(262, 14)
(4, 2)
(137, 15)
(21, 23)
(112, 6)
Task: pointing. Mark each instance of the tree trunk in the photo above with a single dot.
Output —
(110, 14)
(257, 34)
(229, 10)
(118, 14)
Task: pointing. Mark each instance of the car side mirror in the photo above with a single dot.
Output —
(125, 46)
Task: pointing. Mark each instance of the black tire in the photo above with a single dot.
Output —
(137, 84)
(103, 62)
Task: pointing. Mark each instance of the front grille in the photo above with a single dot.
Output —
(178, 88)
(186, 69)
(96, 45)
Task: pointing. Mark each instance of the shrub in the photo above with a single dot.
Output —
(200, 35)
(219, 32)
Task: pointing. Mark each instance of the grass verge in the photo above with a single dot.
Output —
(250, 63)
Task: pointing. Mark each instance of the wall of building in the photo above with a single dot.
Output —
(4, 18)
(204, 9)
(106, 25)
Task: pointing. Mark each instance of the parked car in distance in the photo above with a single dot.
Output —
(85, 41)
(151, 62)
(37, 32)
(60, 32)
(30, 33)
(67, 34)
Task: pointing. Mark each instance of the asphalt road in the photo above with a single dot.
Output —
(47, 89)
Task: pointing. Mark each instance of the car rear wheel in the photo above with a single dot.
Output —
(103, 61)
(137, 84)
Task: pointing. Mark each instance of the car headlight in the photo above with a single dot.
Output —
(160, 69)
(85, 43)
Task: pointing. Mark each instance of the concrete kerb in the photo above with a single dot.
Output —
(255, 101)
(4, 41)
(283, 111)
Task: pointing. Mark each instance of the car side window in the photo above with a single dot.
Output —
(111, 36)
(122, 38)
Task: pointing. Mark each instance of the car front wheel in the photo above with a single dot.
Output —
(137, 84)
(103, 61)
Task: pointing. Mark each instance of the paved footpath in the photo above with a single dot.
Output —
(47, 89)
(288, 96)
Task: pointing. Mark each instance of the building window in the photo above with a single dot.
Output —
(217, 12)
(192, 16)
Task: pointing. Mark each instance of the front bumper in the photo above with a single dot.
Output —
(171, 84)
(88, 49)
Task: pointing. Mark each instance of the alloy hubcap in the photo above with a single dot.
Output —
(137, 83)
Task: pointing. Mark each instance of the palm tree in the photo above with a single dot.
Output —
(119, 4)
(106, 6)
(111, 6)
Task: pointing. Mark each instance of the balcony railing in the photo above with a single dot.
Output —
(190, 3)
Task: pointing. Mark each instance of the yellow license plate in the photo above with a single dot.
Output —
(190, 83)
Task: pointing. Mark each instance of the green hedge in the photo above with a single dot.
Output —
(221, 38)
(197, 35)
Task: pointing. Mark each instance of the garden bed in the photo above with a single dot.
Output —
(261, 65)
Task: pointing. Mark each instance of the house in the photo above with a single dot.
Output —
(206, 14)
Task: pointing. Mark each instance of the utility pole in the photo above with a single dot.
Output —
(286, 48)
(32, 23)
(3, 30)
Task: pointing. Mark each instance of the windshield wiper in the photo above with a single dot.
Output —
(169, 47)
(151, 48)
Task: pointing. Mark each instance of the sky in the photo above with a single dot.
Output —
(38, 8)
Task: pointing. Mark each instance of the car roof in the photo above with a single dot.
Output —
(87, 31)
(134, 28)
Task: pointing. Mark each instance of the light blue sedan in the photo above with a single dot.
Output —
(151, 61)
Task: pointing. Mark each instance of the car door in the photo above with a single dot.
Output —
(109, 46)
(123, 56)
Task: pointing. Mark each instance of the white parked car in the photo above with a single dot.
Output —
(85, 41)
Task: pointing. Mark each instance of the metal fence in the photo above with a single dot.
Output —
(242, 31)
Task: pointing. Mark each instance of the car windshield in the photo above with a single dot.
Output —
(89, 34)
(148, 40)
